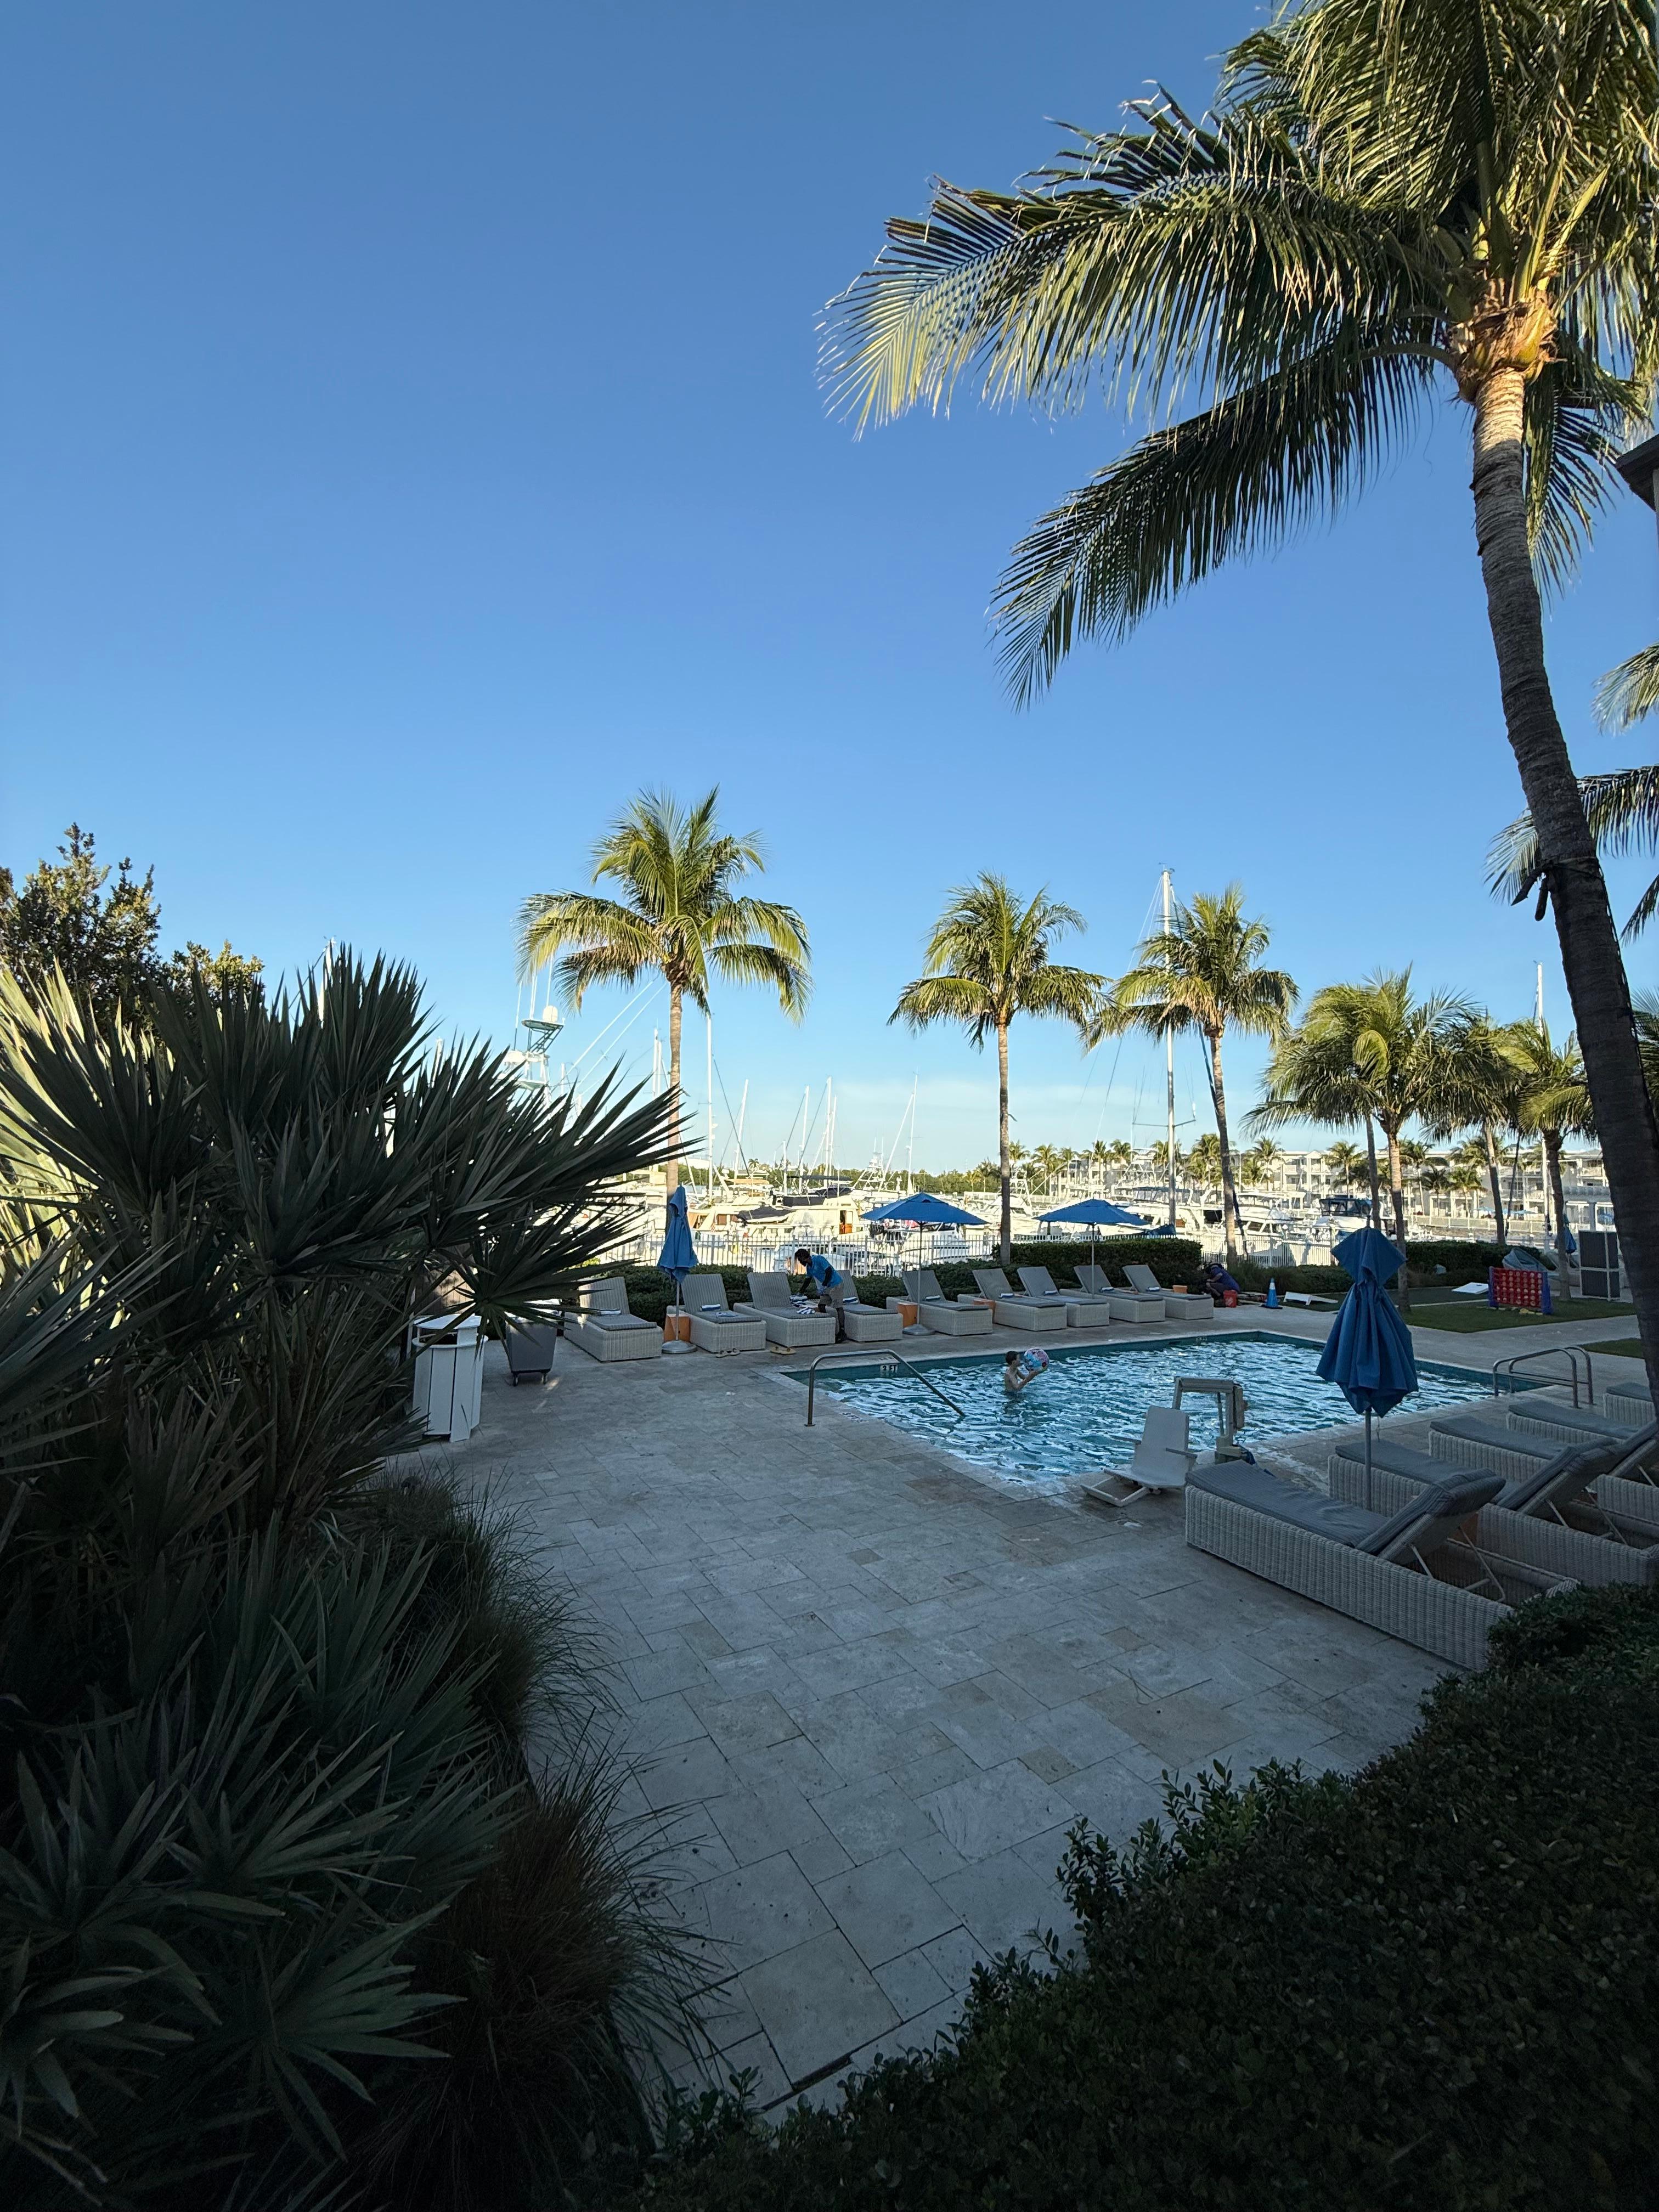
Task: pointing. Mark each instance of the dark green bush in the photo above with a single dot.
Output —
(1433, 1988)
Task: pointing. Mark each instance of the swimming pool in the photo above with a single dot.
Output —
(1085, 1413)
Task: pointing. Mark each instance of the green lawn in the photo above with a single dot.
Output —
(1466, 1316)
(1620, 1347)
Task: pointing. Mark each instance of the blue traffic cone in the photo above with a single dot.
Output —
(1271, 1298)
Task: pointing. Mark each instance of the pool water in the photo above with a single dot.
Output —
(1086, 1413)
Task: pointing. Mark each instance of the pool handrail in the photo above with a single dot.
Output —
(884, 1360)
(1570, 1352)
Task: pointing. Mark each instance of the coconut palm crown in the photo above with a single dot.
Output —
(987, 961)
(1205, 973)
(1392, 203)
(680, 913)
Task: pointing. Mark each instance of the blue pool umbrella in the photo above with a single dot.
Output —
(926, 1212)
(677, 1257)
(1098, 1213)
(1368, 1354)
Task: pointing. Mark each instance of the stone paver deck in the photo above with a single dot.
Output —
(867, 1690)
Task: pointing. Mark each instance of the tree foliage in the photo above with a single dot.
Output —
(70, 920)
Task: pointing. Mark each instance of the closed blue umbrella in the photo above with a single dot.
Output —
(1098, 1213)
(926, 1212)
(677, 1257)
(1368, 1354)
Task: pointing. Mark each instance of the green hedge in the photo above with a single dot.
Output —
(1432, 1989)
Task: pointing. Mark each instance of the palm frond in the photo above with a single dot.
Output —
(1622, 810)
(933, 999)
(1628, 692)
(1244, 475)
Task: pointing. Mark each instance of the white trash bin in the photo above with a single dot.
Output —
(448, 1373)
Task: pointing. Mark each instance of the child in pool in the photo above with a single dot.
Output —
(1019, 1368)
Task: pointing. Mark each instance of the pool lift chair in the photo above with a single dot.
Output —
(1164, 1457)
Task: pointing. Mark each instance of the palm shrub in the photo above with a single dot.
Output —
(270, 1723)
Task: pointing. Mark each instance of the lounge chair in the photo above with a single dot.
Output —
(1481, 1439)
(1178, 1305)
(948, 1316)
(1082, 1311)
(715, 1327)
(1555, 1518)
(1162, 1461)
(1630, 1402)
(868, 1324)
(1127, 1305)
(1412, 1574)
(605, 1329)
(769, 1300)
(1012, 1309)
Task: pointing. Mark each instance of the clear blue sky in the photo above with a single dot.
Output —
(412, 446)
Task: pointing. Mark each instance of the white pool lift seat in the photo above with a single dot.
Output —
(1162, 1461)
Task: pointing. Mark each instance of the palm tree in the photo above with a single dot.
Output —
(987, 961)
(680, 915)
(1048, 1161)
(1554, 1103)
(1369, 1050)
(1388, 204)
(1205, 1164)
(1484, 1089)
(1262, 1161)
(1205, 972)
(1345, 1161)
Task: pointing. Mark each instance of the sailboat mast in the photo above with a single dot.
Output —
(1168, 1076)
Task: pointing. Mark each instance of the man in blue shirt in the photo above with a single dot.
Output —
(829, 1282)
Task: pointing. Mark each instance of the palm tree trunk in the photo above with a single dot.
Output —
(1494, 1176)
(1229, 1220)
(674, 1011)
(1596, 982)
(1558, 1206)
(1005, 1168)
(1370, 1170)
(1397, 1193)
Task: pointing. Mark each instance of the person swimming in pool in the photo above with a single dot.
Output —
(1019, 1368)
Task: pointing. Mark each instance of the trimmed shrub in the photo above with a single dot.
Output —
(1434, 1987)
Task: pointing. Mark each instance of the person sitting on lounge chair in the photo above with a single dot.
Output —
(828, 1281)
(1019, 1368)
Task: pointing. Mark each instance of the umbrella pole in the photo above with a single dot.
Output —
(1368, 1459)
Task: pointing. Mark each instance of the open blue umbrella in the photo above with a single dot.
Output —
(677, 1257)
(928, 1212)
(1368, 1354)
(1098, 1213)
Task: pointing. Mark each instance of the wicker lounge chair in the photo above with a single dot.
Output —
(1178, 1305)
(1556, 1518)
(1013, 1308)
(1402, 1573)
(606, 1330)
(1083, 1308)
(1131, 1304)
(770, 1298)
(715, 1327)
(1161, 1462)
(948, 1316)
(868, 1324)
(1630, 1402)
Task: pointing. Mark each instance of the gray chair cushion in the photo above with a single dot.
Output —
(1255, 1487)
(1263, 1492)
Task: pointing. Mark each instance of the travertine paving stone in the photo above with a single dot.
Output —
(866, 1690)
